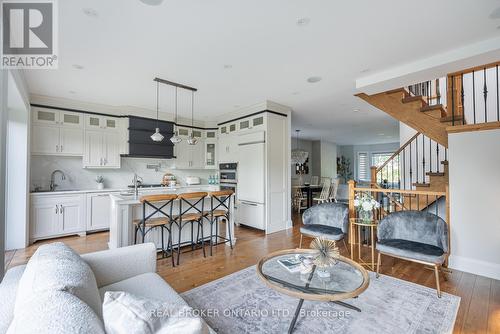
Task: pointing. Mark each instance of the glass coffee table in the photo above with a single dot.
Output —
(344, 280)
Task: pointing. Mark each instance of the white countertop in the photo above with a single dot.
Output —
(120, 199)
(118, 190)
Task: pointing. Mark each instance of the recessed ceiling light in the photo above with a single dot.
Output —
(78, 67)
(356, 110)
(90, 12)
(303, 21)
(228, 66)
(152, 2)
(365, 70)
(313, 79)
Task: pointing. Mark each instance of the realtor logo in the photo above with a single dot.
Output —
(29, 38)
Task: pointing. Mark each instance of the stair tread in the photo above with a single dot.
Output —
(398, 90)
(451, 118)
(435, 174)
(410, 99)
(416, 184)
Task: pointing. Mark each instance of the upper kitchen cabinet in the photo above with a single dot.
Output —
(210, 154)
(56, 132)
(102, 150)
(96, 122)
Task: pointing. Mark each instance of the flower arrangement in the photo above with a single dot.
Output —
(365, 204)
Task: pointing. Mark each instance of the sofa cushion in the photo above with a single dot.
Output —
(148, 285)
(126, 313)
(411, 250)
(317, 230)
(55, 312)
(8, 290)
(57, 267)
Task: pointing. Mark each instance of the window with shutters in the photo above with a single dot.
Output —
(363, 168)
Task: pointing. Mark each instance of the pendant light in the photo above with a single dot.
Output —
(175, 138)
(157, 136)
(192, 140)
(299, 156)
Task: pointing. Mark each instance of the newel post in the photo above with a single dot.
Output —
(352, 213)
(373, 175)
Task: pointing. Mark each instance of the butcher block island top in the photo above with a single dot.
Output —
(125, 208)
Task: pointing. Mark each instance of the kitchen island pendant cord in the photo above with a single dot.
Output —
(157, 136)
(175, 138)
(192, 140)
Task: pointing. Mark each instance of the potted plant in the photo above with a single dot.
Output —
(365, 204)
(99, 179)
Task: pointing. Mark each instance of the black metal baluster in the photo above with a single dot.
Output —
(403, 167)
(416, 155)
(445, 154)
(485, 94)
(392, 171)
(423, 159)
(411, 170)
(474, 96)
(437, 157)
(430, 155)
(452, 100)
(438, 92)
(462, 95)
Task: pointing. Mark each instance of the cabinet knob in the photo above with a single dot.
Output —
(57, 148)
(57, 209)
(61, 148)
(61, 209)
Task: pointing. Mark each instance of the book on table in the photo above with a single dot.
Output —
(292, 264)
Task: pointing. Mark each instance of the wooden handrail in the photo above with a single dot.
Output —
(401, 191)
(475, 68)
(397, 152)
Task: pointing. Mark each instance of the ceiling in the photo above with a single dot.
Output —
(239, 53)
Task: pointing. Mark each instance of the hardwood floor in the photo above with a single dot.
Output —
(479, 310)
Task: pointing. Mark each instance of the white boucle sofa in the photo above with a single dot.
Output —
(131, 269)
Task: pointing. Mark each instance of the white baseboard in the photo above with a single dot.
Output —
(473, 266)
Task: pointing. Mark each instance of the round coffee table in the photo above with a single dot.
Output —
(347, 279)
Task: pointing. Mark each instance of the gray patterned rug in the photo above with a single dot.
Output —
(241, 303)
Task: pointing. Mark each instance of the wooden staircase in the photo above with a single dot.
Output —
(415, 111)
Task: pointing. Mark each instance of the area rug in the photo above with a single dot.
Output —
(242, 303)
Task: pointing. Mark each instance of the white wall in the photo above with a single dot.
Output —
(3, 133)
(17, 165)
(328, 159)
(475, 202)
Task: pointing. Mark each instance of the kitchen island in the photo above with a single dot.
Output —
(125, 207)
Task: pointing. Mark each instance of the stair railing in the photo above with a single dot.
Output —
(411, 164)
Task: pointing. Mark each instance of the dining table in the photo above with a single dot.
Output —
(309, 189)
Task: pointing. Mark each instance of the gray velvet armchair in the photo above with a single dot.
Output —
(327, 220)
(415, 236)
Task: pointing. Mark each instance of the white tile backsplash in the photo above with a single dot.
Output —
(83, 178)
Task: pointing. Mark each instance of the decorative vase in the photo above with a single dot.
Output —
(100, 186)
(323, 273)
(365, 216)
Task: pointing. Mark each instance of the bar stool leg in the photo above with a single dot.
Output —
(200, 224)
(211, 235)
(171, 245)
(192, 236)
(216, 230)
(135, 235)
(162, 242)
(229, 231)
(179, 244)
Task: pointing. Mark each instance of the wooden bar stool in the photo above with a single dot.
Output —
(195, 203)
(220, 204)
(158, 203)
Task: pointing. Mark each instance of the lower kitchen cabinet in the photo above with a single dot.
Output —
(98, 211)
(57, 215)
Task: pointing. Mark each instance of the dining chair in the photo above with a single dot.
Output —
(314, 180)
(333, 190)
(325, 191)
(299, 200)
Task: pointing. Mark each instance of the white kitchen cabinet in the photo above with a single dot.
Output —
(210, 154)
(102, 150)
(48, 116)
(99, 122)
(98, 211)
(56, 140)
(228, 149)
(190, 156)
(57, 215)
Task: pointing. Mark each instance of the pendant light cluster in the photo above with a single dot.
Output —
(157, 136)
(299, 156)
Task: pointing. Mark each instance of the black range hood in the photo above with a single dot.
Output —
(140, 143)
